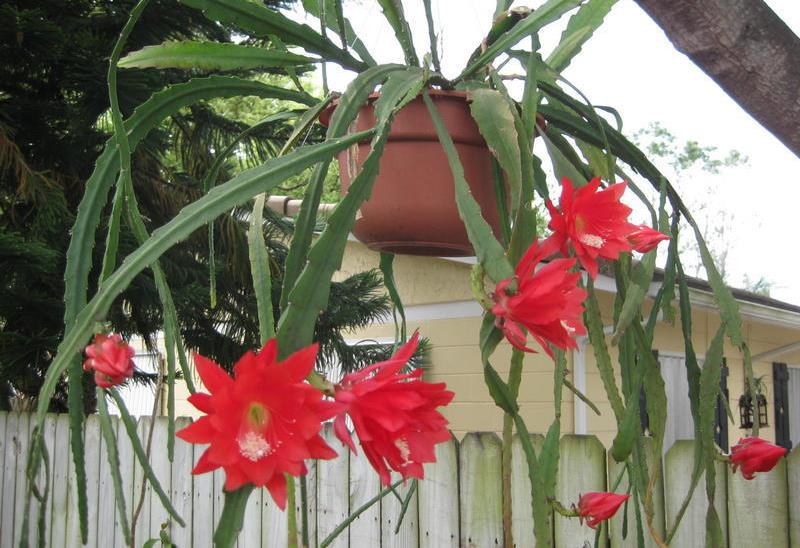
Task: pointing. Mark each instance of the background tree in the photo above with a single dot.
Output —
(53, 123)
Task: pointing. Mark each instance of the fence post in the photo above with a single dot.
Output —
(438, 499)
(203, 499)
(333, 486)
(758, 512)
(582, 469)
(182, 481)
(678, 466)
(521, 511)
(480, 465)
(616, 523)
(106, 507)
(365, 483)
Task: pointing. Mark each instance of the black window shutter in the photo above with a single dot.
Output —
(780, 388)
(721, 429)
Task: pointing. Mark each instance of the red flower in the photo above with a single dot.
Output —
(262, 423)
(755, 455)
(644, 238)
(597, 507)
(547, 303)
(596, 224)
(394, 415)
(111, 358)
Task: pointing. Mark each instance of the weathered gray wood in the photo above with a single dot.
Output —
(616, 523)
(793, 477)
(311, 495)
(250, 537)
(481, 490)
(61, 483)
(521, 511)
(49, 436)
(364, 485)
(758, 509)
(203, 497)
(9, 479)
(333, 485)
(159, 460)
(21, 491)
(127, 474)
(678, 465)
(106, 509)
(438, 499)
(274, 528)
(181, 486)
(142, 527)
(582, 469)
(407, 536)
(3, 445)
(218, 494)
(73, 536)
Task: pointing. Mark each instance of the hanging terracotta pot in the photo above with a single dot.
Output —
(412, 208)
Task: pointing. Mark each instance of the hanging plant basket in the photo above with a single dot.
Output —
(412, 209)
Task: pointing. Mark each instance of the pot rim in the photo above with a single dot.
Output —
(325, 116)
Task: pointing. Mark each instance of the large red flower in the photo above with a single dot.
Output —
(597, 507)
(394, 415)
(262, 423)
(596, 224)
(755, 455)
(547, 302)
(111, 358)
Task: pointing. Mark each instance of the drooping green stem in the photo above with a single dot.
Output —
(514, 380)
(291, 512)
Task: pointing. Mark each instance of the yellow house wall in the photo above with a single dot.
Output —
(455, 354)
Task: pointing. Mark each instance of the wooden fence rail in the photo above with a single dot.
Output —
(458, 504)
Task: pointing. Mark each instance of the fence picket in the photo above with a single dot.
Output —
(438, 499)
(49, 436)
(106, 509)
(758, 513)
(159, 460)
(332, 483)
(311, 494)
(521, 511)
(678, 464)
(481, 490)
(142, 529)
(364, 485)
(407, 536)
(203, 496)
(181, 487)
(59, 454)
(582, 469)
(616, 523)
(458, 503)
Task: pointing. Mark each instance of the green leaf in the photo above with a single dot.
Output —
(260, 271)
(488, 250)
(548, 458)
(231, 519)
(219, 200)
(138, 450)
(627, 431)
(350, 103)
(654, 389)
(495, 121)
(641, 276)
(432, 36)
(541, 16)
(188, 54)
(312, 6)
(566, 163)
(262, 21)
(393, 11)
(594, 327)
(709, 388)
(112, 453)
(580, 28)
(387, 269)
(499, 390)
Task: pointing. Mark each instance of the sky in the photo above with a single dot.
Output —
(630, 64)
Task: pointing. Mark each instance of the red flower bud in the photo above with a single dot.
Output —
(755, 455)
(111, 358)
(597, 507)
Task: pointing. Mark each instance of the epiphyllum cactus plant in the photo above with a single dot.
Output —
(546, 304)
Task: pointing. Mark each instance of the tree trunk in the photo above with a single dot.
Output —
(746, 49)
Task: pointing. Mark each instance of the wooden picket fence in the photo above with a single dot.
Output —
(458, 504)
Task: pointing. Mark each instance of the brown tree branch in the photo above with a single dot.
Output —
(746, 49)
